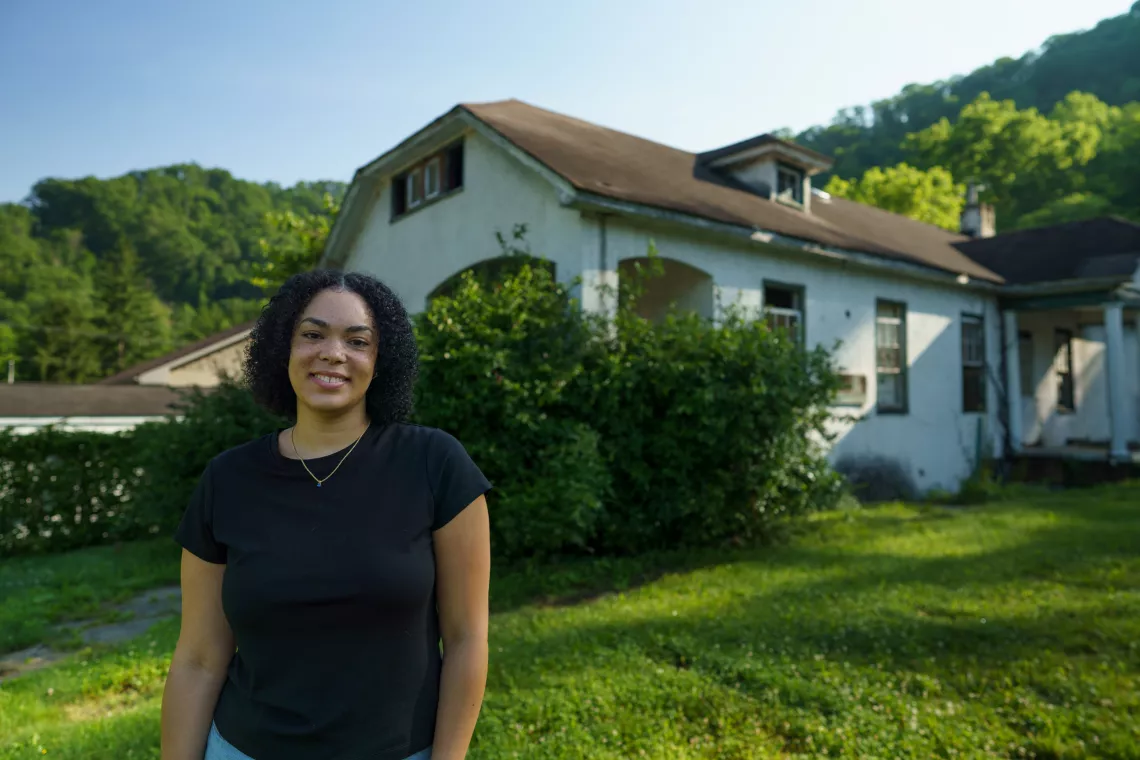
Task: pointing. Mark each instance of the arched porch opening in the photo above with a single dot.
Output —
(689, 288)
(489, 272)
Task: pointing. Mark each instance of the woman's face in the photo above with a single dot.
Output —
(333, 355)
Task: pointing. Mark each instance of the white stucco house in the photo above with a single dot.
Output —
(952, 345)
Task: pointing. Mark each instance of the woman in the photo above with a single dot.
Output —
(334, 554)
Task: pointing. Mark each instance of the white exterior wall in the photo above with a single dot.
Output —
(935, 442)
(417, 252)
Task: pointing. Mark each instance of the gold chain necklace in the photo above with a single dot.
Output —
(338, 464)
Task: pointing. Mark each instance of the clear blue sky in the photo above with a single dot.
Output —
(289, 90)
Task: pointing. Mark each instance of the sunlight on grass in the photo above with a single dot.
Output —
(1009, 630)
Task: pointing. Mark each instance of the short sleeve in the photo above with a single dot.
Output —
(455, 479)
(196, 531)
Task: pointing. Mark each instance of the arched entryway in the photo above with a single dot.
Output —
(685, 286)
(490, 271)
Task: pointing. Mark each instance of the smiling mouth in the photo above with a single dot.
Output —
(331, 380)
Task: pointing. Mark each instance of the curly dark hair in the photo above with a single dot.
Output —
(390, 394)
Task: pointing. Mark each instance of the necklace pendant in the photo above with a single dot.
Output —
(318, 485)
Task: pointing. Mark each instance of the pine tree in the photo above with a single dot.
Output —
(134, 323)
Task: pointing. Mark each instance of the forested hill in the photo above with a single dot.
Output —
(1103, 61)
(96, 275)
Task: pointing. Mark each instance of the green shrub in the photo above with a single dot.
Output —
(712, 431)
(172, 454)
(61, 490)
(624, 436)
(495, 362)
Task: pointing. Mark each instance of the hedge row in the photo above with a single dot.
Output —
(65, 490)
(601, 436)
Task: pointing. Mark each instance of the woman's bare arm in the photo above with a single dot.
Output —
(463, 573)
(201, 658)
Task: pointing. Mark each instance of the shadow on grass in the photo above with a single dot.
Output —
(575, 580)
(901, 611)
(1067, 552)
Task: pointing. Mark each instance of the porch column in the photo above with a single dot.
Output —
(598, 293)
(1013, 380)
(1117, 403)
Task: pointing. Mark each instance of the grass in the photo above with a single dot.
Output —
(39, 591)
(1010, 630)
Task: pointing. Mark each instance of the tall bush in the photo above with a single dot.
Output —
(712, 431)
(495, 362)
(624, 435)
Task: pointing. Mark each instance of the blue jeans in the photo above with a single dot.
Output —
(217, 748)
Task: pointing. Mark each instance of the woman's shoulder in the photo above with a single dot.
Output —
(425, 435)
(427, 440)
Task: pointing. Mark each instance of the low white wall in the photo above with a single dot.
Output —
(25, 425)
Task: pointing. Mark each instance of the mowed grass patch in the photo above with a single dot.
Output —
(39, 591)
(1009, 630)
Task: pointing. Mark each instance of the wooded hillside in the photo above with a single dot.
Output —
(96, 275)
(1103, 61)
(1052, 136)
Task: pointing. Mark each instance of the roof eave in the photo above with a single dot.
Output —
(593, 202)
(806, 160)
(1073, 285)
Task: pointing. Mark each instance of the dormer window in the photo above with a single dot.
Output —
(413, 188)
(772, 168)
(431, 179)
(789, 184)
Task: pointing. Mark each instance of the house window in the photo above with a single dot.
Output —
(414, 188)
(890, 356)
(973, 363)
(789, 184)
(852, 390)
(1063, 365)
(784, 309)
(453, 167)
(430, 179)
(1025, 362)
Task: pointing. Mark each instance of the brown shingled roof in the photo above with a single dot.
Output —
(127, 376)
(1093, 248)
(620, 166)
(57, 400)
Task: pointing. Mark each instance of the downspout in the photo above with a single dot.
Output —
(603, 253)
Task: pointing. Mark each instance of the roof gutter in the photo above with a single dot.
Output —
(599, 203)
(1062, 287)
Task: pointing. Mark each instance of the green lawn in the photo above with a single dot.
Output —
(1008, 630)
(37, 591)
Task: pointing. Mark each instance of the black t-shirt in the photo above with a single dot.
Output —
(330, 591)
